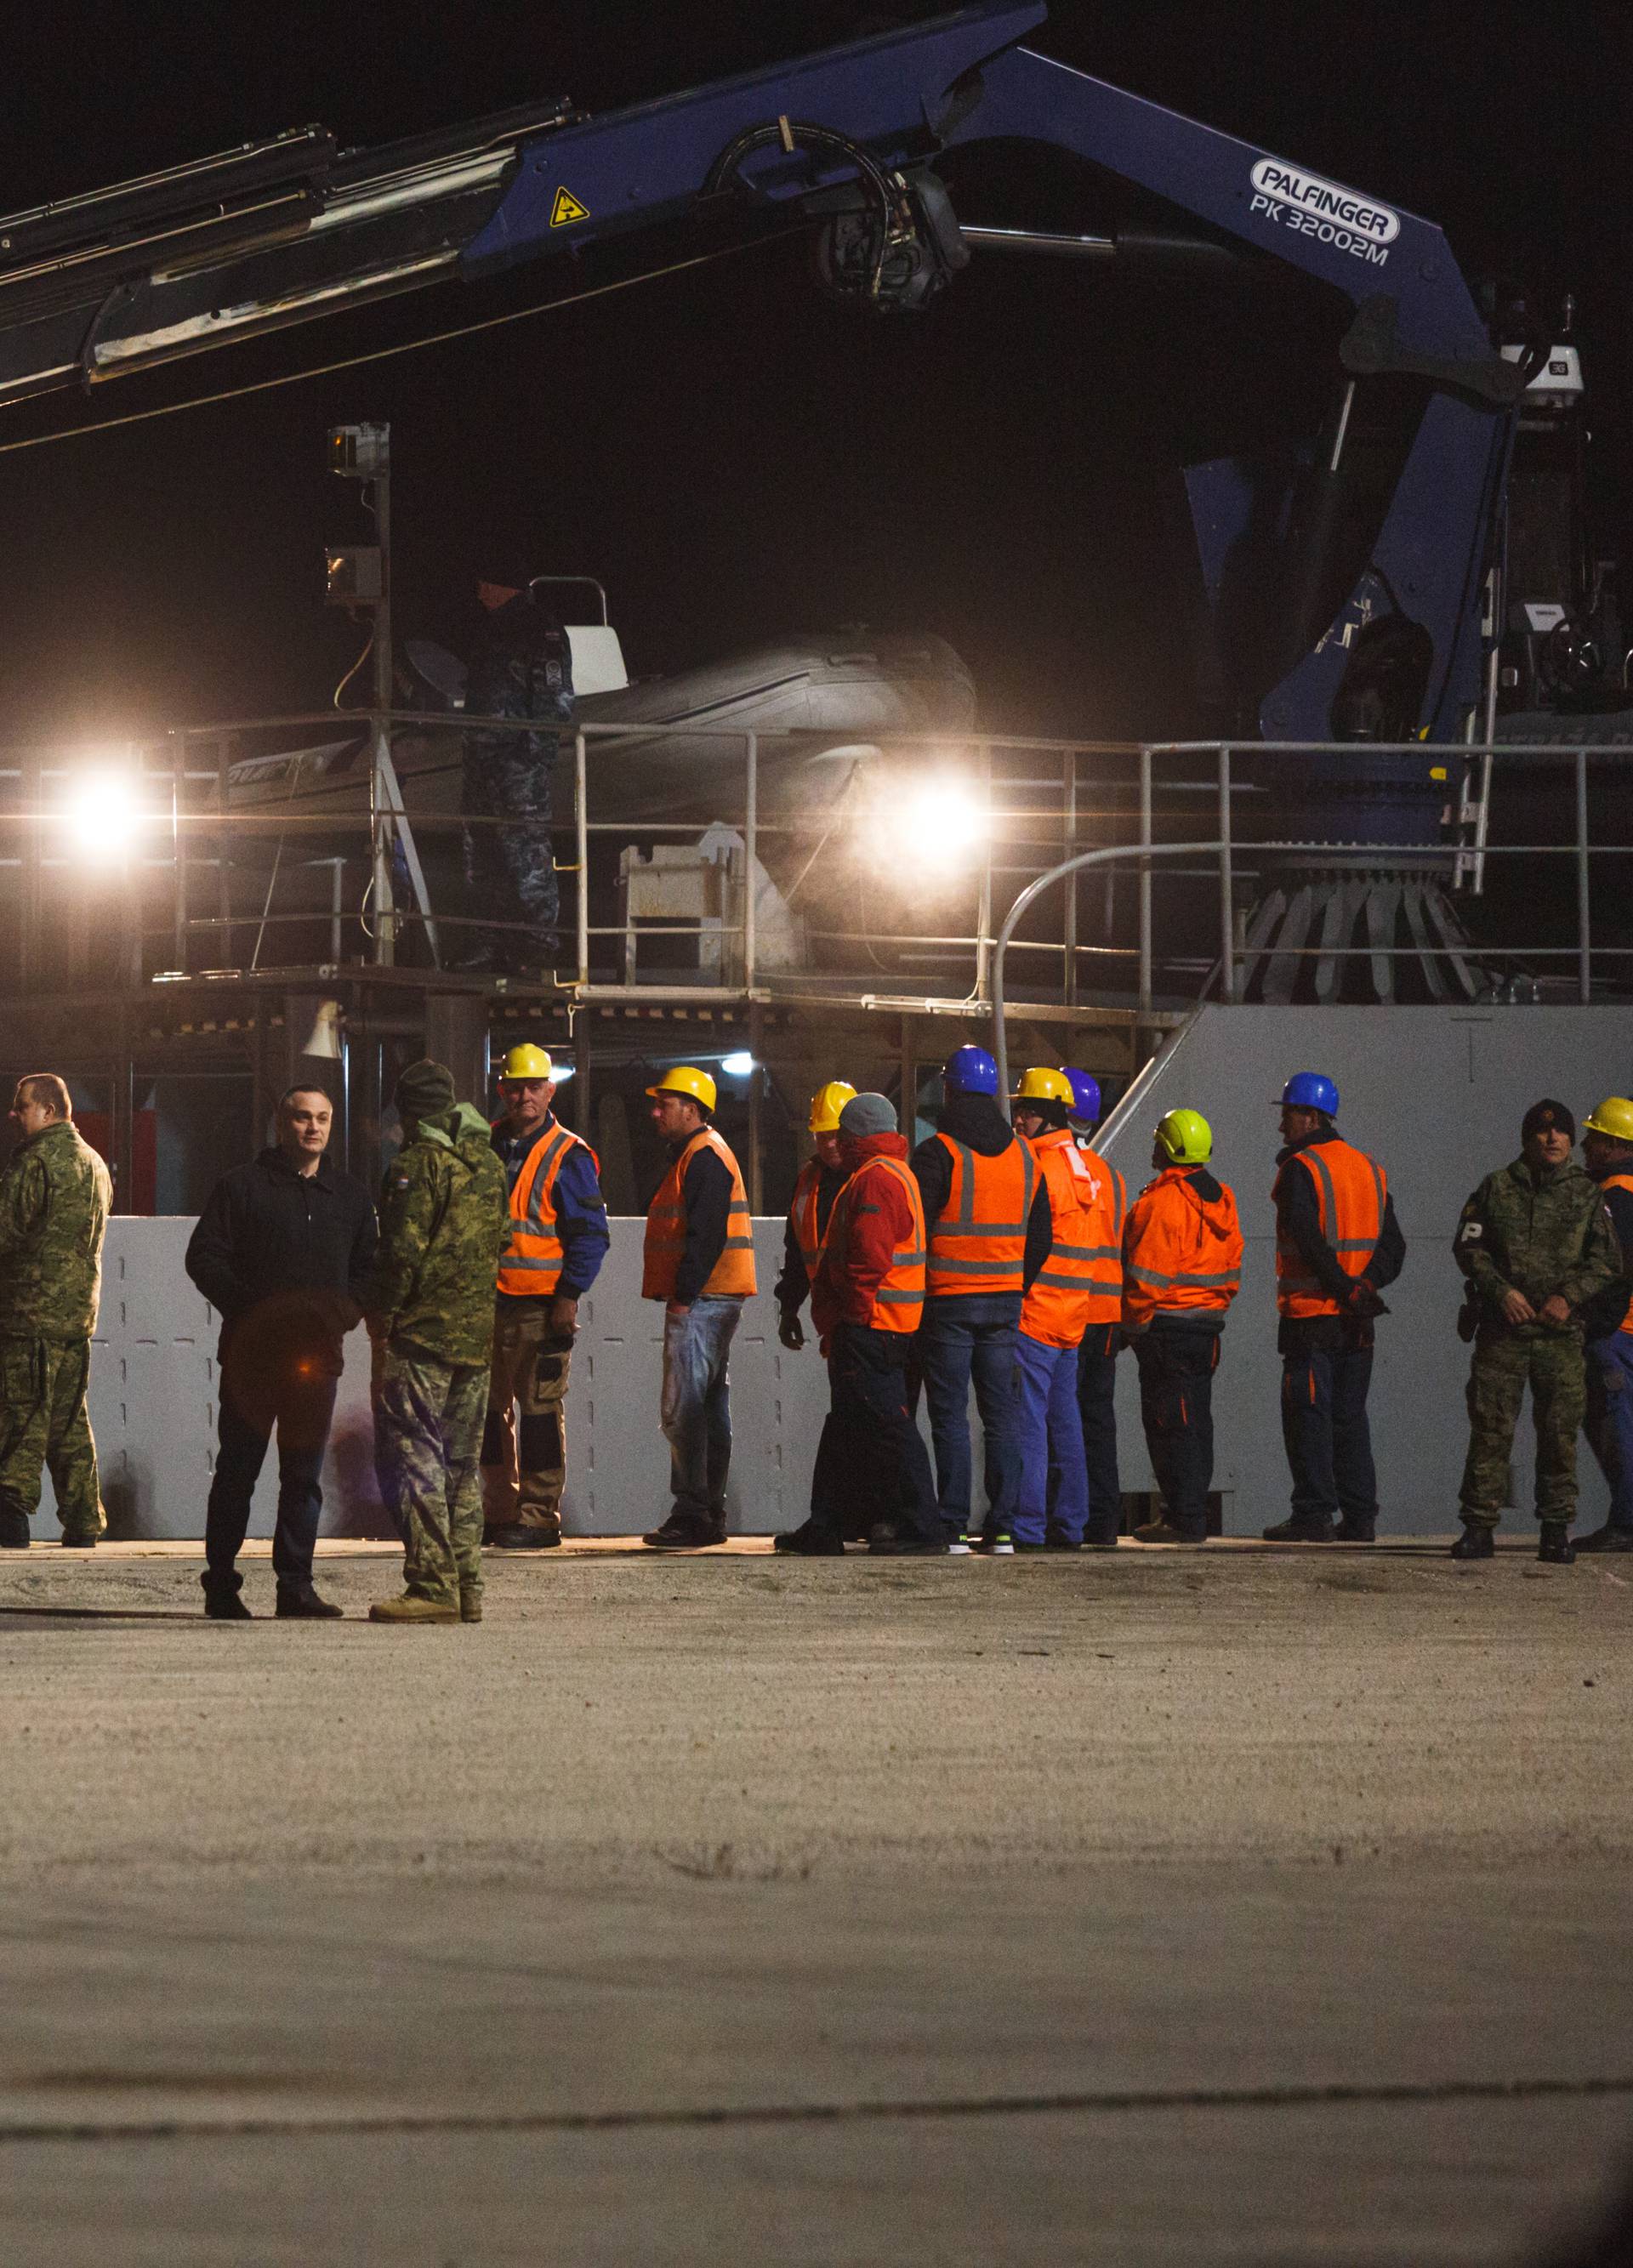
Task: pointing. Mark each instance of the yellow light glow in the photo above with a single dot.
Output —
(103, 814)
(943, 824)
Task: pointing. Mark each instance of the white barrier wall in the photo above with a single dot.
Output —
(1436, 1093)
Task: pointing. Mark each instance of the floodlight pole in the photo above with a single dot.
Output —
(382, 800)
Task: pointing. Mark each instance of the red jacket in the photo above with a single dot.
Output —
(845, 1295)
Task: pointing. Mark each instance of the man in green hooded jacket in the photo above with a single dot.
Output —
(429, 1306)
(1536, 1243)
(54, 1199)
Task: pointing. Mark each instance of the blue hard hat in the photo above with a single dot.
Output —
(970, 1071)
(1310, 1090)
(1085, 1094)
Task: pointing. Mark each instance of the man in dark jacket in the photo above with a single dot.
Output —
(281, 1252)
(523, 670)
(429, 1301)
(1536, 1245)
(982, 1264)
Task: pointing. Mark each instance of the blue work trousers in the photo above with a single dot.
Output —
(1053, 1499)
(1609, 1426)
(697, 1404)
(1177, 1405)
(971, 1337)
(1324, 1422)
(1097, 1407)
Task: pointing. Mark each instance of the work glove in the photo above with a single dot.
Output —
(1366, 1300)
(790, 1330)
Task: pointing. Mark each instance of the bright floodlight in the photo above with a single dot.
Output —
(944, 824)
(738, 1065)
(102, 813)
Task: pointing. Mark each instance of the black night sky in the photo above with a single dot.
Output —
(731, 453)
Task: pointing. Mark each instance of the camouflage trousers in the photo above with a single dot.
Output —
(524, 1466)
(510, 869)
(1552, 1365)
(428, 1418)
(43, 1426)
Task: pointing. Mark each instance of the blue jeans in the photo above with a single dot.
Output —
(1097, 1389)
(1323, 1425)
(697, 1404)
(1609, 1427)
(1055, 1476)
(964, 1336)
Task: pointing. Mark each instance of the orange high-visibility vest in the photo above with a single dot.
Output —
(1623, 1182)
(1178, 1252)
(979, 1242)
(803, 1215)
(1082, 1281)
(532, 1267)
(733, 1273)
(1350, 1196)
(899, 1302)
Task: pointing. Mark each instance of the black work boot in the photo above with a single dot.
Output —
(521, 1537)
(685, 1531)
(1608, 1538)
(14, 1528)
(1303, 1527)
(887, 1542)
(1554, 1544)
(1476, 1542)
(222, 1602)
(299, 1602)
(1356, 1528)
(809, 1542)
(1162, 1530)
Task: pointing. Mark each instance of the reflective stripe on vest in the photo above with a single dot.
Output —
(531, 1268)
(979, 1242)
(1081, 1282)
(731, 1275)
(802, 1216)
(899, 1302)
(1351, 1194)
(1623, 1182)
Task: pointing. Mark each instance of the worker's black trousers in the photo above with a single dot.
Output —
(1177, 1404)
(1096, 1388)
(301, 1409)
(872, 1465)
(1327, 1367)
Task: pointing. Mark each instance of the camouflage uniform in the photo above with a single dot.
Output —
(525, 670)
(442, 1227)
(54, 1200)
(1537, 1231)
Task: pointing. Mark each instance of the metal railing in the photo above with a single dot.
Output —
(214, 825)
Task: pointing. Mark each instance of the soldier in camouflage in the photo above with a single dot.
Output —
(1535, 1243)
(54, 1200)
(429, 1306)
(524, 670)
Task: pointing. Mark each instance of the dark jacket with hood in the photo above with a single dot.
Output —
(443, 1223)
(976, 1121)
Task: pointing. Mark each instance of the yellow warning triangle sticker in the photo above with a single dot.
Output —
(567, 209)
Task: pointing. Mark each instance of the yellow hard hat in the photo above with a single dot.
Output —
(686, 1079)
(826, 1105)
(1186, 1138)
(1613, 1117)
(1042, 1085)
(528, 1061)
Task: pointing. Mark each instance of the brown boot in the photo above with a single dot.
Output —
(411, 1609)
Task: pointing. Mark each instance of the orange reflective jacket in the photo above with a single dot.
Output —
(1623, 1182)
(1082, 1281)
(1350, 1196)
(803, 1215)
(1179, 1250)
(978, 1244)
(898, 1302)
(531, 1268)
(733, 1273)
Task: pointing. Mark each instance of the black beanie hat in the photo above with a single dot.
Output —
(1544, 1117)
(425, 1089)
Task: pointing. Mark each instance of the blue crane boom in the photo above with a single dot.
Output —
(278, 232)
